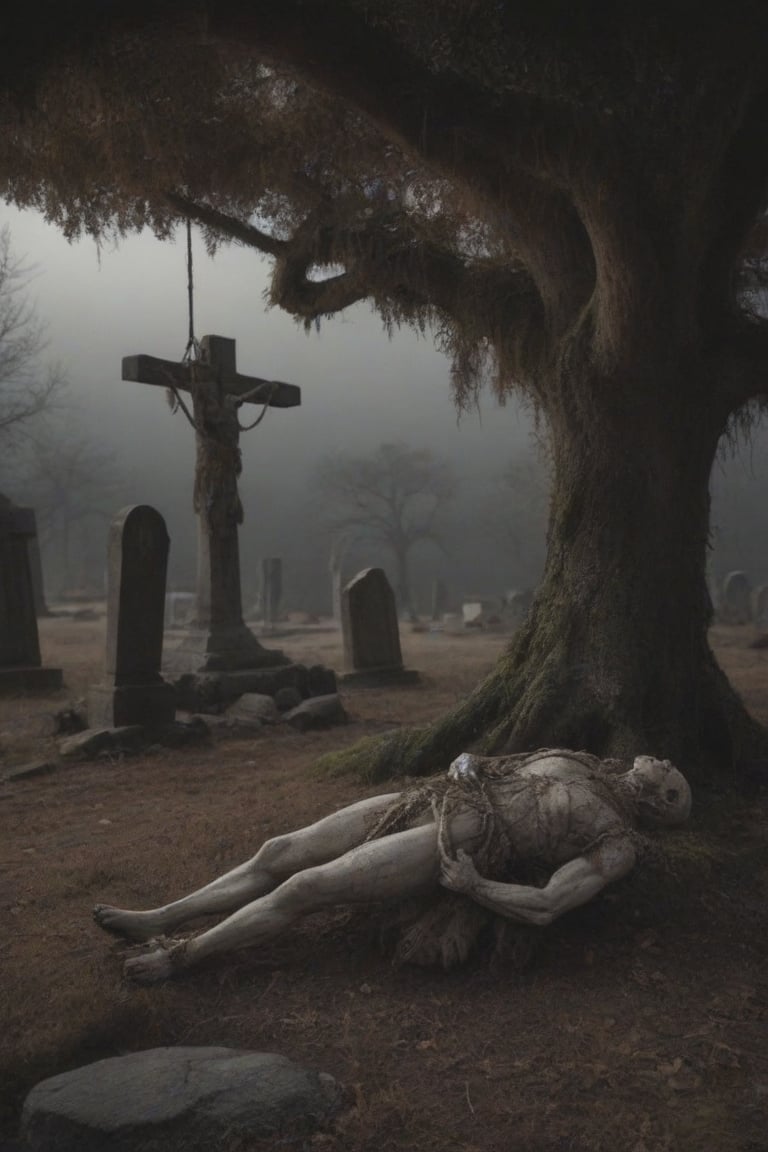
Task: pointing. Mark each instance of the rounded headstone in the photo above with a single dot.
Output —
(736, 598)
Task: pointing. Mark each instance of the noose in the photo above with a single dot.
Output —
(192, 357)
(192, 351)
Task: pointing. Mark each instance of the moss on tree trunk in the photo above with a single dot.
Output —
(613, 657)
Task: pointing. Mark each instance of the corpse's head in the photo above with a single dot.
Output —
(661, 792)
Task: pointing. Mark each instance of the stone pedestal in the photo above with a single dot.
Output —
(117, 706)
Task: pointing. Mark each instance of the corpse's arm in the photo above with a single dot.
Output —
(571, 885)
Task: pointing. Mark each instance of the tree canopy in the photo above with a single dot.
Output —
(565, 194)
(484, 168)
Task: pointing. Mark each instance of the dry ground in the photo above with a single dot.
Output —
(638, 1023)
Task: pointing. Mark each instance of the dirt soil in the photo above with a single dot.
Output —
(638, 1023)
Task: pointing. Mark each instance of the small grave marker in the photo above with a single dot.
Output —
(372, 653)
(271, 589)
(736, 604)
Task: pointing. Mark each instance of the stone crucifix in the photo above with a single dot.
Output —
(217, 640)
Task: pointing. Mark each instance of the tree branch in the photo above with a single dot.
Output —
(228, 226)
(441, 117)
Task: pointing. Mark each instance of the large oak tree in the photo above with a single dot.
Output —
(565, 194)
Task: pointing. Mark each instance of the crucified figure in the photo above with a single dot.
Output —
(569, 811)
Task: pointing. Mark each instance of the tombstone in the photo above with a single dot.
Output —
(337, 590)
(372, 654)
(133, 691)
(179, 608)
(439, 598)
(477, 610)
(760, 607)
(735, 606)
(217, 639)
(517, 604)
(20, 664)
(36, 569)
(271, 589)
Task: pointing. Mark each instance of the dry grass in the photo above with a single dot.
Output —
(638, 1024)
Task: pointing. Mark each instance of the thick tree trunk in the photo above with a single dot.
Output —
(614, 656)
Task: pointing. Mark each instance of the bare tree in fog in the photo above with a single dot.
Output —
(392, 498)
(74, 486)
(516, 516)
(27, 388)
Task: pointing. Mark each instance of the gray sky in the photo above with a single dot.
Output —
(358, 387)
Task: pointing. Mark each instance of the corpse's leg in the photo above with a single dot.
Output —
(275, 861)
(396, 866)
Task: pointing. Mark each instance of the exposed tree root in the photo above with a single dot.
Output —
(528, 702)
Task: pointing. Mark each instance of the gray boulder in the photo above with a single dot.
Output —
(95, 741)
(317, 712)
(177, 1100)
(255, 706)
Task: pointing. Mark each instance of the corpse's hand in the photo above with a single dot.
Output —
(459, 874)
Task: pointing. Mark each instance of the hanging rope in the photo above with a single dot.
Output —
(193, 356)
(192, 350)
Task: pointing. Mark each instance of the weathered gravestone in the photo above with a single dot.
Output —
(36, 568)
(133, 691)
(736, 606)
(20, 664)
(760, 607)
(371, 635)
(439, 598)
(217, 639)
(271, 589)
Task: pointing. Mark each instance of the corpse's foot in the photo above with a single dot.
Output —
(153, 967)
(132, 925)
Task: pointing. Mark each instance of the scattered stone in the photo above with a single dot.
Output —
(95, 741)
(179, 733)
(255, 706)
(233, 725)
(287, 698)
(178, 1099)
(73, 717)
(32, 769)
(321, 681)
(317, 712)
(212, 692)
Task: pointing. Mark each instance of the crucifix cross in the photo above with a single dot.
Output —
(217, 391)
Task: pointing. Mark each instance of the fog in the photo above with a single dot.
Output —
(359, 389)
